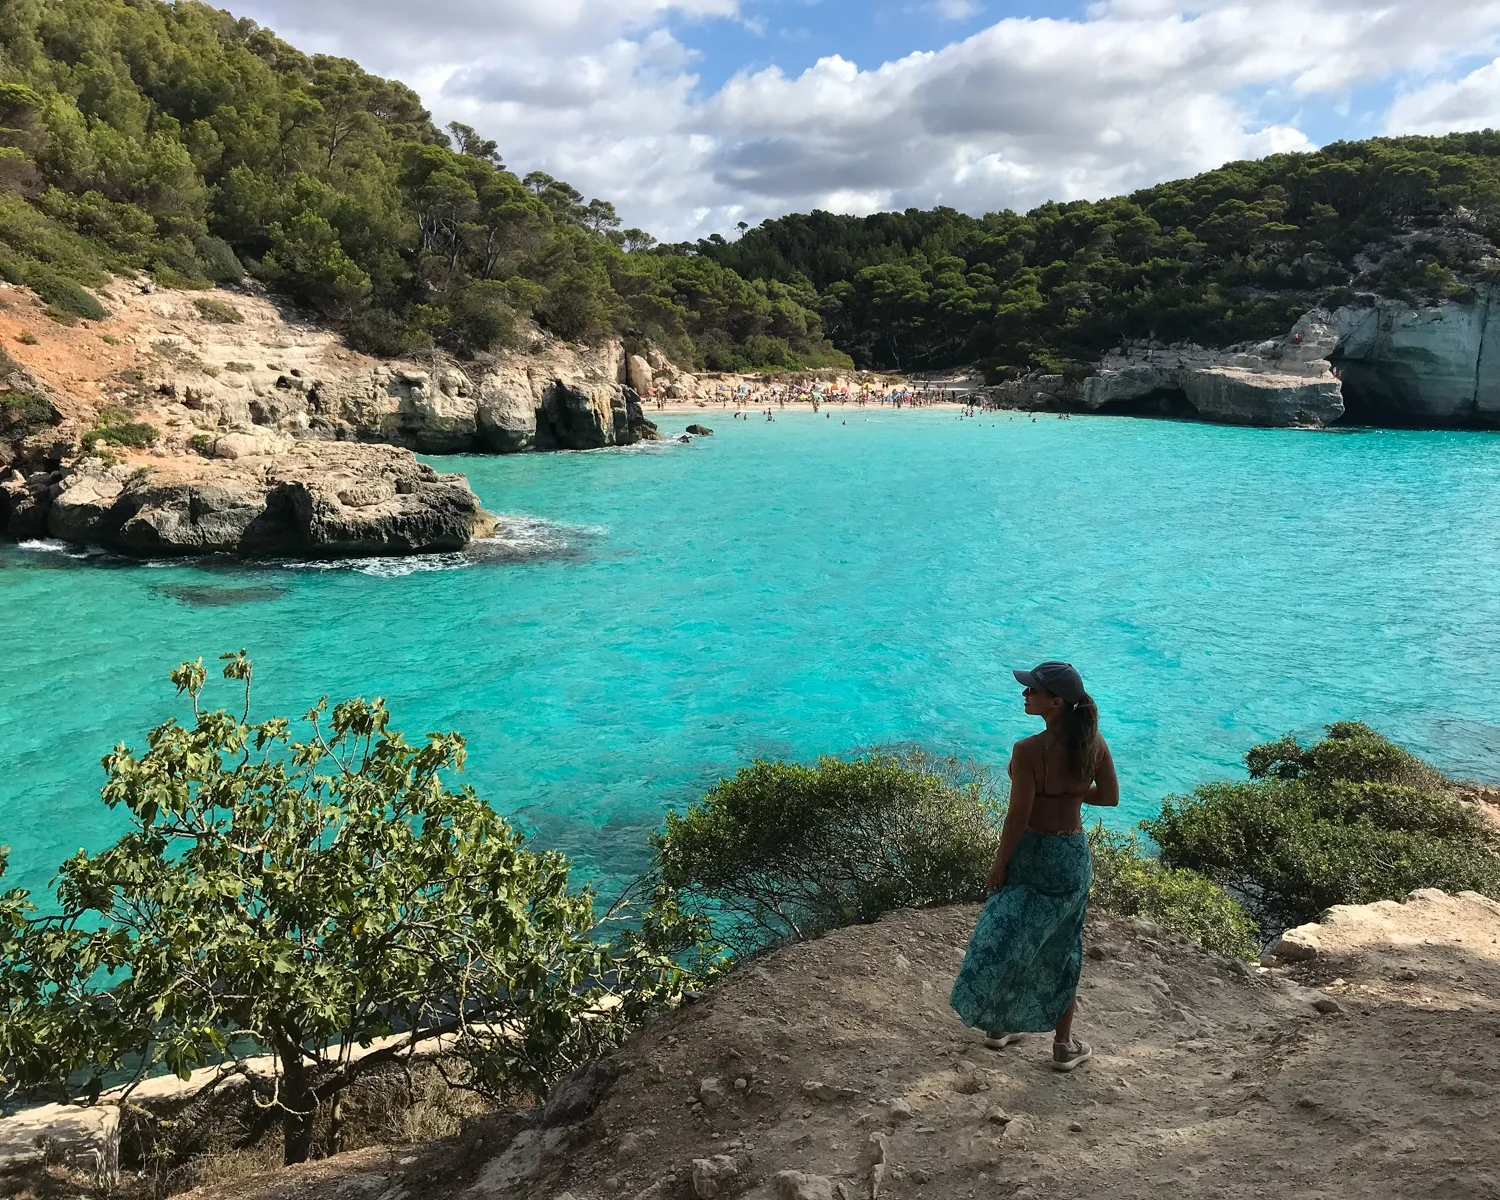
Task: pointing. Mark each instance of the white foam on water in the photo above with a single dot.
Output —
(517, 538)
(58, 546)
(392, 567)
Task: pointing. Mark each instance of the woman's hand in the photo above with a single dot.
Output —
(995, 880)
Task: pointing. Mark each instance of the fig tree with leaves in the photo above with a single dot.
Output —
(307, 906)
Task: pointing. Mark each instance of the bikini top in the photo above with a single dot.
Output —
(1044, 794)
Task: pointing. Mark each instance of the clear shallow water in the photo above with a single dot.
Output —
(663, 616)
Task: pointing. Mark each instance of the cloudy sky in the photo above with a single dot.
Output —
(693, 115)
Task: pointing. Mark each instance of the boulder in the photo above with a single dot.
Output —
(23, 507)
(87, 1139)
(816, 1089)
(250, 444)
(684, 387)
(640, 374)
(1247, 397)
(713, 1176)
(203, 518)
(700, 431)
(571, 418)
(794, 1185)
(711, 1092)
(580, 1093)
(509, 1175)
(634, 426)
(1297, 945)
(83, 502)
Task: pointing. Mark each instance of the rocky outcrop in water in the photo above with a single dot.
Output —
(310, 500)
(265, 434)
(1284, 382)
(1382, 362)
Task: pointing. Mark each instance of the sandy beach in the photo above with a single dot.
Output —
(728, 409)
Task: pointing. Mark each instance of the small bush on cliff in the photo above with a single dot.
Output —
(218, 312)
(1350, 820)
(64, 294)
(1130, 882)
(782, 852)
(303, 898)
(115, 428)
(23, 414)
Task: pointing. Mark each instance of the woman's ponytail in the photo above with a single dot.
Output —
(1081, 738)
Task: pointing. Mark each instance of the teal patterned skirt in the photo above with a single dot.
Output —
(1021, 969)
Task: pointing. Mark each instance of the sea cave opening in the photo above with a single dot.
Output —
(1166, 403)
(1373, 395)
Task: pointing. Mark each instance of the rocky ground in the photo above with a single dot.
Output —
(1365, 1064)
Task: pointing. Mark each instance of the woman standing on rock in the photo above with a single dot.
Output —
(1020, 974)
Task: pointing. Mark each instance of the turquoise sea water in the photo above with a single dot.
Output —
(800, 587)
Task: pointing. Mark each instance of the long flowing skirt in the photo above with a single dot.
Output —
(1021, 969)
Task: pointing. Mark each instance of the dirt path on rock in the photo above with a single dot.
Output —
(1210, 1079)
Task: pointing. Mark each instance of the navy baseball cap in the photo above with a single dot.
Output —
(1059, 678)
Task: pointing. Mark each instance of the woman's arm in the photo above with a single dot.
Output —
(1017, 816)
(1106, 790)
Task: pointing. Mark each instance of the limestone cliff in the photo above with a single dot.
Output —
(1380, 362)
(268, 434)
(1438, 365)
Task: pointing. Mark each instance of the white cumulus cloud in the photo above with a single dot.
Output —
(604, 94)
(1472, 102)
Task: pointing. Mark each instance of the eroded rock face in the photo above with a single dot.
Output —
(1438, 365)
(313, 500)
(555, 399)
(1426, 365)
(506, 414)
(1287, 381)
(23, 506)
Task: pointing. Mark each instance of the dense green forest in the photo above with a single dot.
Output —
(1233, 255)
(175, 139)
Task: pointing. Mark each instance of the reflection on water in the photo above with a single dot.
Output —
(202, 595)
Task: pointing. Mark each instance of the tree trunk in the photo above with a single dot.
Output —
(299, 1106)
(297, 1128)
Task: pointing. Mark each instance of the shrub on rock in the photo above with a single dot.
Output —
(1130, 882)
(1350, 820)
(23, 414)
(782, 852)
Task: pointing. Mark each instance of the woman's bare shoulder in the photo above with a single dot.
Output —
(1029, 749)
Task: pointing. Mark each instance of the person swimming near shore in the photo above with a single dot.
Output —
(1020, 972)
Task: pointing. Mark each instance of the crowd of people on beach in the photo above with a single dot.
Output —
(770, 398)
(764, 401)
